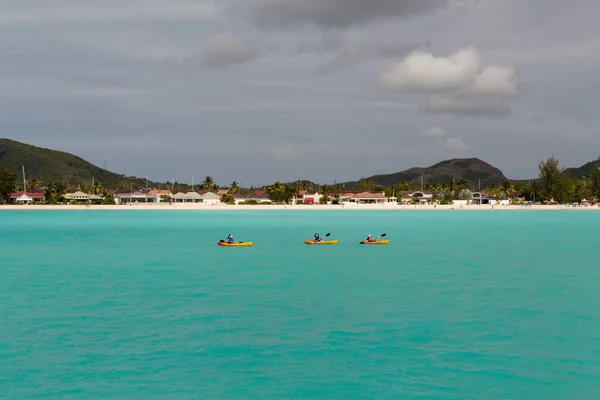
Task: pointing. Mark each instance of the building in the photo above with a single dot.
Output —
(481, 198)
(135, 197)
(308, 197)
(260, 198)
(161, 194)
(420, 197)
(27, 198)
(82, 197)
(211, 198)
(356, 197)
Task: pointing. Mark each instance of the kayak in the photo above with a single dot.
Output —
(375, 242)
(321, 242)
(235, 244)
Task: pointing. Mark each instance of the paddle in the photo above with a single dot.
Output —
(380, 236)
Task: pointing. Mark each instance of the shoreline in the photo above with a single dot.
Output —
(199, 206)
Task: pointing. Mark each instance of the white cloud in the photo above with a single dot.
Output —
(434, 132)
(460, 83)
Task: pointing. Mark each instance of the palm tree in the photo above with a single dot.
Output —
(234, 187)
(506, 187)
(461, 183)
(275, 191)
(96, 187)
(208, 183)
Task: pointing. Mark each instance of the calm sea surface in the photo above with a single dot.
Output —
(145, 305)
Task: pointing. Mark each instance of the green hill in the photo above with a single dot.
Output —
(51, 165)
(471, 169)
(580, 172)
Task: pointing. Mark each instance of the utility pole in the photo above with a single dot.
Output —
(479, 185)
(421, 182)
(192, 183)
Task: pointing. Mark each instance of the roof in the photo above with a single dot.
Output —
(210, 196)
(34, 195)
(364, 195)
(192, 196)
(78, 193)
(159, 191)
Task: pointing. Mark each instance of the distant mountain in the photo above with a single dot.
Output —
(46, 165)
(584, 170)
(471, 169)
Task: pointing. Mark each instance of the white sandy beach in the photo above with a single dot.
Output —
(362, 207)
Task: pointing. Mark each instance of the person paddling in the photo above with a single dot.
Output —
(370, 238)
(230, 239)
(317, 238)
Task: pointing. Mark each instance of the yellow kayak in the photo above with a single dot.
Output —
(235, 244)
(321, 242)
(375, 242)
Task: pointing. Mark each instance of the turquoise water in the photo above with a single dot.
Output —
(145, 305)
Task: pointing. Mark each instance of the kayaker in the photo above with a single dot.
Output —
(370, 238)
(230, 239)
(317, 238)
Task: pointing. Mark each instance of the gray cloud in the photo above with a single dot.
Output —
(460, 83)
(97, 80)
(225, 50)
(327, 14)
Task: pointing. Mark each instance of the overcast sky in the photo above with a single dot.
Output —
(264, 90)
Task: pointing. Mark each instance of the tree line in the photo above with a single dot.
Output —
(552, 184)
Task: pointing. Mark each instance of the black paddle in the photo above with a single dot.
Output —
(382, 235)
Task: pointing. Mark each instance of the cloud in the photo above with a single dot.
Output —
(225, 50)
(455, 144)
(434, 132)
(460, 83)
(332, 14)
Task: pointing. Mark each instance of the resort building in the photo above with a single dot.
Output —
(418, 197)
(365, 197)
(82, 197)
(135, 197)
(161, 194)
(252, 198)
(308, 197)
(211, 198)
(26, 198)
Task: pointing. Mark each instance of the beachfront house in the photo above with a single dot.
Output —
(482, 198)
(417, 197)
(162, 195)
(27, 198)
(308, 197)
(82, 197)
(259, 198)
(135, 197)
(211, 198)
(357, 197)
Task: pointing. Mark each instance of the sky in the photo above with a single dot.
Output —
(325, 90)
